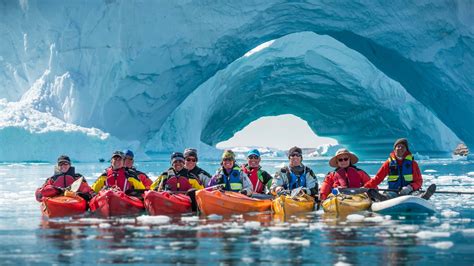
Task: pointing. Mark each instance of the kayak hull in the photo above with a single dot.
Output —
(61, 206)
(346, 204)
(404, 204)
(286, 205)
(163, 203)
(115, 203)
(227, 202)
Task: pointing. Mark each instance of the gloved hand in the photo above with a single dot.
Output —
(406, 190)
(278, 190)
(245, 192)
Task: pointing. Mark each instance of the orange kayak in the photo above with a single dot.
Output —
(159, 203)
(61, 206)
(227, 202)
(114, 203)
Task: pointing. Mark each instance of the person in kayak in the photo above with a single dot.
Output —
(231, 176)
(295, 175)
(118, 176)
(128, 162)
(190, 163)
(403, 173)
(261, 179)
(346, 174)
(64, 175)
(176, 178)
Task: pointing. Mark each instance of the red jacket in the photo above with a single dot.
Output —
(385, 170)
(350, 177)
(61, 180)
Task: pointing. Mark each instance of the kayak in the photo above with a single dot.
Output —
(114, 202)
(227, 202)
(61, 206)
(404, 204)
(287, 205)
(159, 203)
(346, 204)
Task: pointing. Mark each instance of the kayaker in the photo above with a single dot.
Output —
(403, 173)
(190, 163)
(231, 176)
(346, 174)
(176, 178)
(117, 176)
(295, 175)
(128, 162)
(64, 176)
(261, 179)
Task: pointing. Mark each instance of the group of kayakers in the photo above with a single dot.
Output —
(404, 176)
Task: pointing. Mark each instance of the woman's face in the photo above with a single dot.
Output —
(227, 163)
(343, 161)
(178, 165)
(190, 162)
(64, 167)
(117, 162)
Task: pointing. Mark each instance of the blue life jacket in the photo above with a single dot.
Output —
(294, 180)
(233, 181)
(400, 175)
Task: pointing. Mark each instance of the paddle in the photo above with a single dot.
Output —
(262, 196)
(362, 190)
(76, 184)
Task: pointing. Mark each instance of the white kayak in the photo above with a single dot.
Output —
(404, 204)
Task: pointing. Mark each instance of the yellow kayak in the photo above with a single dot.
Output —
(286, 205)
(345, 204)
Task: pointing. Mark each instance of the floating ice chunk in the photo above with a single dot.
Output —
(449, 213)
(470, 174)
(430, 234)
(442, 245)
(91, 220)
(190, 219)
(299, 225)
(104, 225)
(375, 219)
(282, 241)
(235, 231)
(355, 218)
(159, 219)
(214, 217)
(468, 232)
(430, 171)
(126, 220)
(252, 225)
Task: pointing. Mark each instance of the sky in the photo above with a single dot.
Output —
(272, 131)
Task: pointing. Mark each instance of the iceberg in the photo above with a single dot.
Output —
(147, 73)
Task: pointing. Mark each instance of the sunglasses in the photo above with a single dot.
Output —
(295, 154)
(253, 157)
(228, 159)
(63, 163)
(191, 160)
(343, 159)
(129, 158)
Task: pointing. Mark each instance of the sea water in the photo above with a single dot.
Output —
(447, 237)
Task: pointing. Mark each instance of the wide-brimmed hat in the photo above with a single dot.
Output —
(353, 157)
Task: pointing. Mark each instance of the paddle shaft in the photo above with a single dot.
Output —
(362, 190)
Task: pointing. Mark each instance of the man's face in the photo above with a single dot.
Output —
(190, 162)
(64, 167)
(117, 162)
(295, 159)
(400, 150)
(253, 161)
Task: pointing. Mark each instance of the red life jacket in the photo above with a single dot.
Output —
(62, 180)
(347, 179)
(176, 183)
(117, 178)
(255, 176)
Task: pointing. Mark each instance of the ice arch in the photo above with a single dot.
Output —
(315, 77)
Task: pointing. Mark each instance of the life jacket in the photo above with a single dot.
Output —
(232, 181)
(400, 175)
(117, 178)
(295, 181)
(349, 178)
(64, 179)
(176, 182)
(255, 176)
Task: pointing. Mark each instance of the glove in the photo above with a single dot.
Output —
(406, 190)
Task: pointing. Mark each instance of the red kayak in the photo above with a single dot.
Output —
(159, 203)
(114, 203)
(61, 206)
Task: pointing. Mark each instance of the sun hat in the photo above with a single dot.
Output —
(353, 157)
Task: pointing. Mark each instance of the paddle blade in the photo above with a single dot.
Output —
(295, 192)
(77, 184)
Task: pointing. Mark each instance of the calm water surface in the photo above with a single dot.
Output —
(313, 238)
